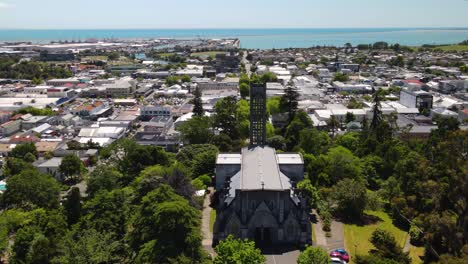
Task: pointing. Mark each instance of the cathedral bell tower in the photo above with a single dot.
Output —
(257, 115)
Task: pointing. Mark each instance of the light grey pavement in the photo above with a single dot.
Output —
(319, 233)
(337, 236)
(285, 258)
(205, 227)
(329, 243)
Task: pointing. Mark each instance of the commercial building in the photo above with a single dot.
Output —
(416, 99)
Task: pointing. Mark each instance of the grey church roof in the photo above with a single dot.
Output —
(260, 170)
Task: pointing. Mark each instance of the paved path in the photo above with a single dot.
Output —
(319, 233)
(337, 235)
(407, 246)
(205, 227)
(284, 258)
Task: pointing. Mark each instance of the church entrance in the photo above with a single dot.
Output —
(263, 236)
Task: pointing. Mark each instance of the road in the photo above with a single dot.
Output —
(284, 258)
(246, 63)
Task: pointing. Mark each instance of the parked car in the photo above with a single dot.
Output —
(344, 254)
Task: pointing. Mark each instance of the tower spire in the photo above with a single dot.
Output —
(257, 115)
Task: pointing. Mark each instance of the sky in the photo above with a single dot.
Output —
(125, 14)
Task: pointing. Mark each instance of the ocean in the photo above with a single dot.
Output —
(256, 38)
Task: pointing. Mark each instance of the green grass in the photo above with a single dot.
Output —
(453, 48)
(314, 236)
(359, 235)
(212, 219)
(415, 254)
(211, 54)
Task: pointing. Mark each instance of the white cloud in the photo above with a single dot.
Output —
(5, 5)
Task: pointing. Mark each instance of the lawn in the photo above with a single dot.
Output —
(453, 48)
(212, 219)
(211, 54)
(415, 254)
(359, 235)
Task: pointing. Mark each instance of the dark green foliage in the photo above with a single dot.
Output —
(289, 101)
(35, 111)
(226, 119)
(197, 130)
(277, 142)
(107, 212)
(131, 158)
(301, 121)
(313, 255)
(233, 251)
(90, 246)
(21, 150)
(198, 104)
(340, 77)
(165, 226)
(387, 247)
(103, 178)
(9, 68)
(71, 166)
(200, 159)
(14, 166)
(72, 206)
(350, 196)
(314, 142)
(244, 89)
(31, 189)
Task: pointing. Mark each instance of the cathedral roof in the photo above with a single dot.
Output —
(260, 170)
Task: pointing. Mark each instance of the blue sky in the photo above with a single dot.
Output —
(86, 14)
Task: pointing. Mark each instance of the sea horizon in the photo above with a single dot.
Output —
(255, 38)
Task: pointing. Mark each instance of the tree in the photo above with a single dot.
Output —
(273, 105)
(340, 77)
(107, 212)
(300, 121)
(113, 56)
(71, 165)
(198, 104)
(308, 191)
(14, 166)
(32, 189)
(349, 117)
(197, 130)
(90, 246)
(73, 206)
(21, 150)
(166, 226)
(289, 101)
(387, 247)
(314, 142)
(244, 89)
(341, 163)
(313, 255)
(185, 78)
(225, 118)
(233, 251)
(103, 178)
(277, 142)
(351, 197)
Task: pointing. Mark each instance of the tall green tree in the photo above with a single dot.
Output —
(198, 104)
(21, 150)
(289, 101)
(31, 188)
(197, 130)
(351, 198)
(233, 251)
(71, 165)
(165, 227)
(313, 255)
(225, 118)
(73, 206)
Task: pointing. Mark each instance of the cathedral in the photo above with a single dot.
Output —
(255, 196)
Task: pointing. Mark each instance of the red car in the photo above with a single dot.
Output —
(340, 253)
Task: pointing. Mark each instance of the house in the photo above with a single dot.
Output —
(147, 112)
(416, 99)
(51, 167)
(10, 127)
